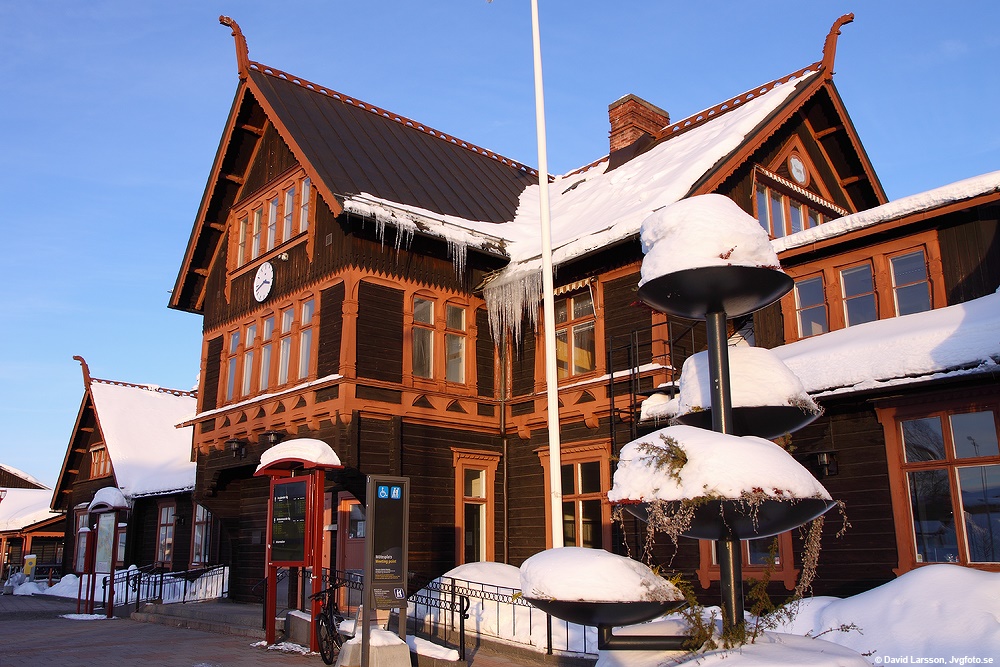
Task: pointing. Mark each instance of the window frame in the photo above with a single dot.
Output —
(891, 414)
(822, 304)
(486, 463)
(846, 299)
(100, 461)
(166, 534)
(569, 327)
(879, 256)
(436, 335)
(814, 210)
(280, 340)
(784, 570)
(200, 555)
(576, 454)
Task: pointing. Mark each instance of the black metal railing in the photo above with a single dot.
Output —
(150, 583)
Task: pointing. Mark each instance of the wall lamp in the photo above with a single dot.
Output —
(270, 438)
(825, 463)
(237, 447)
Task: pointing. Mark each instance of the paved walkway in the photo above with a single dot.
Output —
(33, 633)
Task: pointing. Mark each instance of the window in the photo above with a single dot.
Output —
(82, 536)
(272, 223)
(304, 205)
(252, 364)
(267, 334)
(576, 342)
(952, 464)
(454, 343)
(781, 214)
(120, 556)
(423, 337)
(305, 338)
(232, 364)
(269, 220)
(251, 336)
(201, 537)
(289, 214)
(437, 348)
(910, 285)
(756, 557)
(945, 474)
(474, 520)
(100, 462)
(859, 295)
(894, 278)
(810, 306)
(582, 504)
(585, 476)
(165, 534)
(285, 345)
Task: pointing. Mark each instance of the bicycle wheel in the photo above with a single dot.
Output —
(328, 639)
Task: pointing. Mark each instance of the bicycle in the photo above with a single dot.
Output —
(328, 622)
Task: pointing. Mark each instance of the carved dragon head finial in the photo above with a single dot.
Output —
(242, 52)
(86, 370)
(830, 45)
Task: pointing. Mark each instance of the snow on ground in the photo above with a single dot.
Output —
(938, 613)
(717, 464)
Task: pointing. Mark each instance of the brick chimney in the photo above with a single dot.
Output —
(633, 116)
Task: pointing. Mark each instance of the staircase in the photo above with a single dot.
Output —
(219, 616)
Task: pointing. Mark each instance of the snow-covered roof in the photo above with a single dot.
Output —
(148, 453)
(957, 340)
(900, 208)
(21, 508)
(23, 475)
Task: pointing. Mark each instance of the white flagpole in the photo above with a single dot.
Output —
(548, 305)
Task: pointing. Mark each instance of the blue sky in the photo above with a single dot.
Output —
(111, 113)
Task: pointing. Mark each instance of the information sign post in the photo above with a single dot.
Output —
(386, 553)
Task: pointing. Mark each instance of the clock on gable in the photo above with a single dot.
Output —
(797, 169)
(263, 281)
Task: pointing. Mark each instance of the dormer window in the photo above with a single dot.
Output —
(274, 217)
(100, 463)
(783, 207)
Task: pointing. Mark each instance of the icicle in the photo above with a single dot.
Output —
(380, 229)
(508, 299)
(458, 251)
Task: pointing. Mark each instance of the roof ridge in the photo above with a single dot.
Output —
(696, 119)
(402, 120)
(148, 387)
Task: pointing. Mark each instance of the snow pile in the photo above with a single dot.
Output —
(378, 637)
(658, 406)
(757, 378)
(30, 588)
(684, 462)
(592, 575)
(934, 612)
(108, 497)
(707, 230)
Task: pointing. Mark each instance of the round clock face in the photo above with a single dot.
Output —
(797, 170)
(262, 281)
